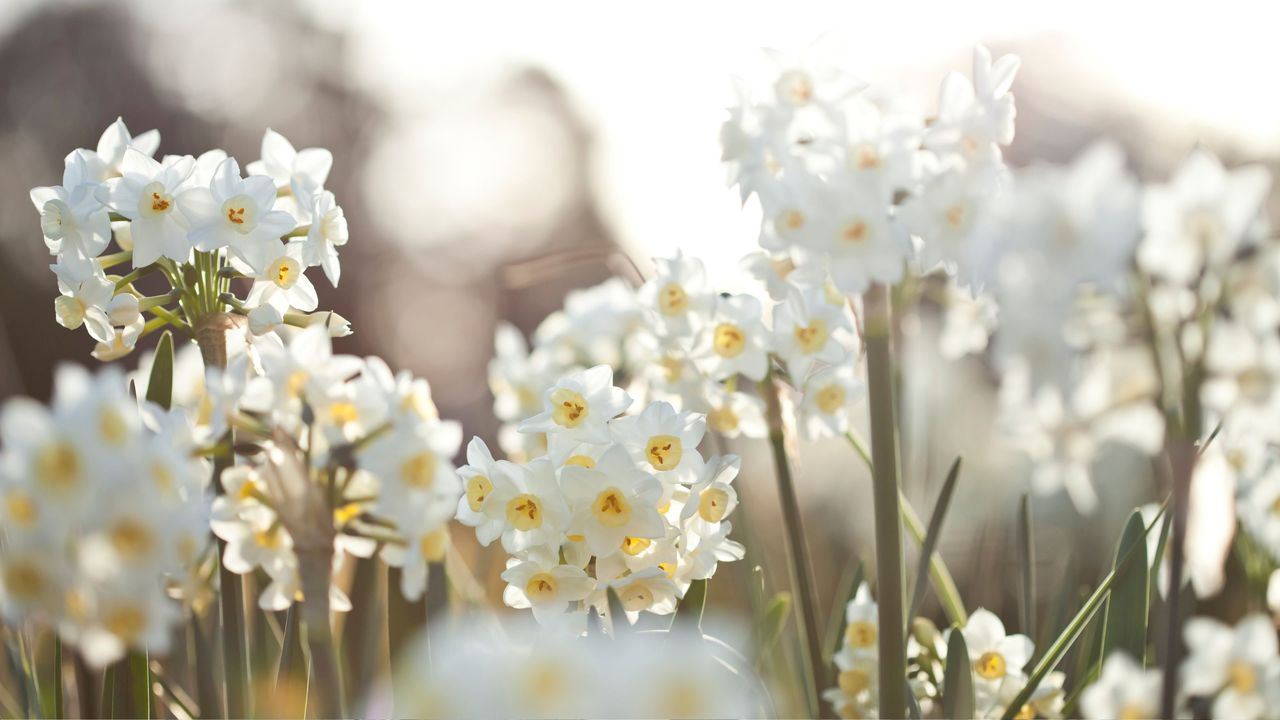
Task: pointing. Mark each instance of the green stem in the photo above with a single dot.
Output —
(877, 327)
(801, 571)
(939, 574)
(58, 701)
(106, 262)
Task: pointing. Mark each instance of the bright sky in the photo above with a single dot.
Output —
(655, 80)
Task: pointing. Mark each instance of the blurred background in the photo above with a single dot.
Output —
(492, 157)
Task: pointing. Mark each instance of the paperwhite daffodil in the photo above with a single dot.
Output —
(662, 441)
(528, 501)
(546, 587)
(236, 212)
(995, 656)
(808, 331)
(612, 501)
(734, 340)
(71, 218)
(146, 195)
(282, 282)
(712, 497)
(1123, 690)
(677, 296)
(579, 406)
(1237, 666)
(301, 172)
(327, 233)
(830, 400)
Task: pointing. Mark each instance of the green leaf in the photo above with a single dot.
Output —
(1073, 629)
(1027, 560)
(160, 385)
(853, 577)
(772, 622)
(618, 615)
(688, 613)
(958, 697)
(931, 539)
(1125, 624)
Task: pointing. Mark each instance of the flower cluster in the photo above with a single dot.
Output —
(105, 514)
(337, 456)
(619, 502)
(675, 675)
(198, 222)
(857, 662)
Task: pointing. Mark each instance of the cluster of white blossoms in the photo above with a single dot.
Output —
(105, 514)
(858, 661)
(197, 221)
(619, 502)
(344, 457)
(552, 675)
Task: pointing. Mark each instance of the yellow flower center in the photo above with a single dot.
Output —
(712, 504)
(541, 588)
(432, 545)
(672, 368)
(568, 408)
(478, 488)
(342, 413)
(131, 538)
(723, 419)
(854, 681)
(524, 513)
(611, 509)
(419, 471)
(990, 665)
(240, 213)
(830, 399)
(957, 216)
(635, 546)
(20, 508)
(790, 220)
(58, 466)
(672, 299)
(1242, 677)
(729, 340)
(154, 201)
(865, 157)
(269, 538)
(581, 461)
(860, 634)
(112, 426)
(635, 597)
(23, 580)
(125, 622)
(1134, 712)
(854, 232)
(663, 452)
(812, 337)
(284, 272)
(296, 382)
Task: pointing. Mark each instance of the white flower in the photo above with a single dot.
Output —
(236, 212)
(528, 502)
(702, 554)
(1201, 218)
(612, 501)
(477, 487)
(650, 589)
(663, 441)
(1123, 690)
(327, 233)
(413, 460)
(546, 587)
(86, 294)
(831, 397)
(1239, 665)
(282, 282)
(145, 194)
(424, 528)
(677, 296)
(856, 234)
(71, 218)
(733, 413)
(579, 406)
(302, 172)
(114, 144)
(808, 331)
(712, 497)
(973, 117)
(862, 623)
(994, 654)
(734, 341)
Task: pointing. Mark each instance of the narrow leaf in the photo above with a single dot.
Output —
(1027, 561)
(772, 622)
(958, 697)
(689, 612)
(1072, 631)
(1125, 624)
(160, 384)
(931, 539)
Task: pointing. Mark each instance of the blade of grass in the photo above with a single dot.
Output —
(1125, 621)
(1072, 631)
(958, 697)
(930, 544)
(1027, 561)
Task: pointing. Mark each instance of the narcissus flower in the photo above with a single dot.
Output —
(146, 195)
(579, 407)
(547, 587)
(611, 501)
(236, 212)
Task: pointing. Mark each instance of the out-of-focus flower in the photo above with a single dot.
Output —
(1123, 690)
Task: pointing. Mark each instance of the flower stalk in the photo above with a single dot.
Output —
(877, 329)
(797, 550)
